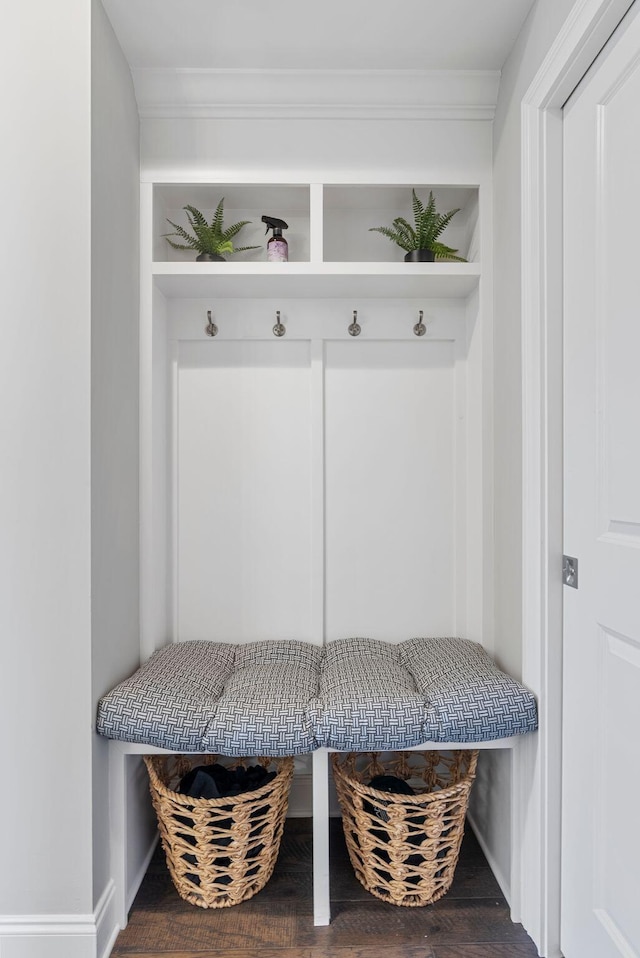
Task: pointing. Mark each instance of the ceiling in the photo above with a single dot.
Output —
(328, 35)
(412, 59)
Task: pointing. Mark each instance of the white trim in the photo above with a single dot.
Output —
(46, 925)
(514, 742)
(314, 111)
(321, 872)
(59, 936)
(317, 586)
(319, 177)
(537, 765)
(107, 927)
(305, 94)
(146, 422)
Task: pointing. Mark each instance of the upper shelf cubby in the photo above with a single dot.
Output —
(241, 202)
(350, 211)
(332, 251)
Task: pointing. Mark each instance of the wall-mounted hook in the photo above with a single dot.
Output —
(210, 329)
(355, 329)
(278, 329)
(420, 328)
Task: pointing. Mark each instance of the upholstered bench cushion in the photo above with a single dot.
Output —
(285, 698)
(215, 697)
(367, 700)
(375, 695)
(265, 706)
(169, 701)
(468, 698)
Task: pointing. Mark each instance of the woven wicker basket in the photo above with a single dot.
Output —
(404, 848)
(219, 851)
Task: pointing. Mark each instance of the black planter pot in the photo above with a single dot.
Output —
(210, 258)
(420, 256)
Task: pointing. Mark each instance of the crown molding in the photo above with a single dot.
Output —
(321, 94)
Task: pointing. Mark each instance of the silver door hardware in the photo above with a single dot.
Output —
(570, 571)
(420, 328)
(355, 329)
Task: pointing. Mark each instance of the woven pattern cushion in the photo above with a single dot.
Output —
(169, 701)
(285, 698)
(469, 698)
(368, 700)
(264, 709)
(216, 697)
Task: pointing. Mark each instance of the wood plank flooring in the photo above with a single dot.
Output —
(471, 921)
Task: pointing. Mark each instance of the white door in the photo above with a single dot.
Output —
(601, 671)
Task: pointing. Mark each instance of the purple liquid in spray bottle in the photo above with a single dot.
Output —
(277, 246)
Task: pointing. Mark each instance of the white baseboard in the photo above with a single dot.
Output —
(62, 936)
(106, 921)
(47, 936)
(505, 886)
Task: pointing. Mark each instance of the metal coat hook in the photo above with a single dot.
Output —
(278, 329)
(355, 329)
(420, 328)
(210, 329)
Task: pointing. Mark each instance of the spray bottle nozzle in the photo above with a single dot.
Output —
(274, 224)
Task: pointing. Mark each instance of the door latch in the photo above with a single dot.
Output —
(570, 571)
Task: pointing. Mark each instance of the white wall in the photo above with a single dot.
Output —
(115, 171)
(491, 804)
(45, 474)
(534, 42)
(68, 481)
(427, 151)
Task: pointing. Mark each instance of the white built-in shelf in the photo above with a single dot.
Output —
(351, 210)
(316, 280)
(332, 251)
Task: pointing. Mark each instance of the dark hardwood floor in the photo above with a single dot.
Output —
(471, 921)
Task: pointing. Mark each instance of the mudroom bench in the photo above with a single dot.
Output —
(279, 698)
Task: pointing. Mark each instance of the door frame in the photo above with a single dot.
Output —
(537, 780)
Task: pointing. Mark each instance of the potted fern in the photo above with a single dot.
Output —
(209, 240)
(421, 241)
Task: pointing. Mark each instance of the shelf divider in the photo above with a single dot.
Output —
(316, 222)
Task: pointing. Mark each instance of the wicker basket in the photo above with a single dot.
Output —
(404, 848)
(219, 851)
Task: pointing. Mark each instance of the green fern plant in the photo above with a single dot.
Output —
(423, 235)
(207, 239)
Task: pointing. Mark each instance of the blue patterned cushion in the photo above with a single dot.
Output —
(368, 700)
(169, 701)
(284, 698)
(469, 698)
(264, 709)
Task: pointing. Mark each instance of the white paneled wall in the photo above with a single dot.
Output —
(244, 491)
(319, 482)
(389, 489)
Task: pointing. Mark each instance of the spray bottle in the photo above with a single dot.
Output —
(277, 246)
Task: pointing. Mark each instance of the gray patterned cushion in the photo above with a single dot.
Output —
(169, 701)
(469, 698)
(367, 699)
(284, 698)
(264, 709)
